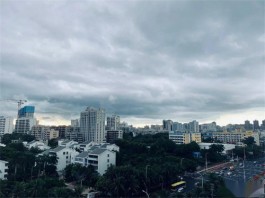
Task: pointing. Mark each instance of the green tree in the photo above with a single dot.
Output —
(249, 141)
(53, 143)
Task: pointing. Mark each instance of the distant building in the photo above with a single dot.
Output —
(3, 169)
(234, 137)
(209, 127)
(92, 124)
(184, 138)
(263, 125)
(168, 125)
(255, 124)
(194, 127)
(177, 127)
(75, 123)
(113, 122)
(25, 120)
(6, 125)
(42, 132)
(247, 125)
(61, 129)
(113, 135)
(73, 133)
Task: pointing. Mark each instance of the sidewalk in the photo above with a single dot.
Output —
(260, 193)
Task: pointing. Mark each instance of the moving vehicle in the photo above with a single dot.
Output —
(180, 189)
(178, 185)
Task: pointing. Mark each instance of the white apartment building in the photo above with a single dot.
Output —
(37, 144)
(92, 124)
(99, 158)
(6, 125)
(68, 143)
(3, 169)
(64, 155)
(184, 138)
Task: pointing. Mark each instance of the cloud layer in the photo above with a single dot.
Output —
(148, 60)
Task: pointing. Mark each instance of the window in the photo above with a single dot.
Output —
(63, 153)
(108, 155)
(108, 160)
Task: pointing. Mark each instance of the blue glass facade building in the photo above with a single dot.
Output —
(26, 111)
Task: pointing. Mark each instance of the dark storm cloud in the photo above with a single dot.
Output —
(145, 59)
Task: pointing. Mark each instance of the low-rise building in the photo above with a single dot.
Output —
(113, 135)
(67, 143)
(99, 158)
(235, 137)
(184, 138)
(64, 155)
(227, 147)
(3, 169)
(37, 144)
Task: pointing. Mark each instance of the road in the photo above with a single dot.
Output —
(246, 178)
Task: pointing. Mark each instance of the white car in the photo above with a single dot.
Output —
(180, 189)
(229, 173)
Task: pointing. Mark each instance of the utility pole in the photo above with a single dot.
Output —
(212, 188)
(206, 162)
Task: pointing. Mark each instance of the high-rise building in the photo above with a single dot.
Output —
(255, 124)
(247, 125)
(208, 127)
(92, 124)
(177, 127)
(113, 122)
(168, 125)
(194, 126)
(25, 120)
(75, 123)
(263, 125)
(6, 125)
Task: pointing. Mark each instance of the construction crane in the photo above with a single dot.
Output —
(19, 103)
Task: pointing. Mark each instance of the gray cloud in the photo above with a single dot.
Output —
(141, 59)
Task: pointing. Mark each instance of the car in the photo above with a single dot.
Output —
(254, 162)
(229, 173)
(180, 189)
(240, 164)
(196, 183)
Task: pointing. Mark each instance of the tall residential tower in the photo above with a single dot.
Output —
(92, 124)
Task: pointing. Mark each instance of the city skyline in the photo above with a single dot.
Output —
(144, 61)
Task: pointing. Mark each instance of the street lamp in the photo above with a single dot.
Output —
(146, 193)
(181, 162)
(146, 172)
(206, 161)
(202, 179)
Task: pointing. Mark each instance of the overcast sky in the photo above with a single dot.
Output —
(143, 60)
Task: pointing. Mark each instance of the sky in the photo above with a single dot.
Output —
(143, 60)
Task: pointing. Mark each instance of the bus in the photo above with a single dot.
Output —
(177, 185)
